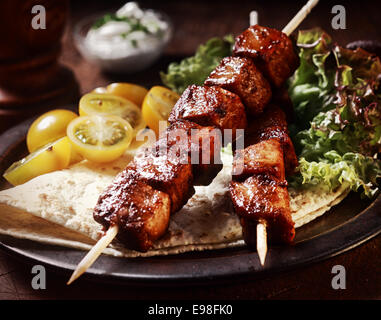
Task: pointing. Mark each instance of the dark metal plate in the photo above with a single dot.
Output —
(347, 225)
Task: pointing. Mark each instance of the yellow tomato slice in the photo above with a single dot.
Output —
(100, 138)
(129, 91)
(157, 106)
(54, 156)
(48, 128)
(108, 104)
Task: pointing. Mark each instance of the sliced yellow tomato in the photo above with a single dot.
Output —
(48, 128)
(100, 138)
(54, 156)
(108, 104)
(129, 91)
(157, 106)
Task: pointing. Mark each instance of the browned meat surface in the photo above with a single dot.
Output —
(210, 106)
(202, 145)
(262, 198)
(141, 212)
(265, 157)
(272, 124)
(283, 100)
(241, 76)
(272, 51)
(165, 172)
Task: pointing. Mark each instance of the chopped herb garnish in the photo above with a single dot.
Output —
(135, 24)
(107, 18)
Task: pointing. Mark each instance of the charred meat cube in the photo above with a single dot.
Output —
(273, 117)
(165, 171)
(290, 158)
(272, 50)
(202, 145)
(263, 199)
(210, 106)
(141, 212)
(273, 125)
(240, 76)
(265, 157)
(282, 99)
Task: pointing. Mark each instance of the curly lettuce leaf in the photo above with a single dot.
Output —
(358, 171)
(195, 69)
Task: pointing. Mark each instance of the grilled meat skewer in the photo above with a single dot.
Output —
(259, 190)
(157, 184)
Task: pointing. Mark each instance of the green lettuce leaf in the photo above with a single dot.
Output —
(313, 81)
(195, 69)
(360, 172)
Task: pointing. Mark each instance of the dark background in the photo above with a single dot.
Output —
(195, 22)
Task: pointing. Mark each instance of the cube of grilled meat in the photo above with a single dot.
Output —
(240, 76)
(201, 144)
(272, 124)
(210, 106)
(265, 157)
(272, 50)
(262, 198)
(166, 172)
(141, 212)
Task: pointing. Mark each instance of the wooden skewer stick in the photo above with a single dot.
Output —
(288, 29)
(111, 233)
(299, 17)
(94, 253)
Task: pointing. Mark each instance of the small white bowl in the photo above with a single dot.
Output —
(131, 62)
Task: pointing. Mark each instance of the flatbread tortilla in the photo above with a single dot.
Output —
(56, 208)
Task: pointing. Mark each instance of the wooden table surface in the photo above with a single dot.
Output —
(195, 22)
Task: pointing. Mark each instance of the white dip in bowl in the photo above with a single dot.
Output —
(127, 41)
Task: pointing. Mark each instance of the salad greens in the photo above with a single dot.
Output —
(337, 101)
(195, 69)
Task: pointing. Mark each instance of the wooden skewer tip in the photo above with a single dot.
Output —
(94, 253)
(299, 17)
(262, 242)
